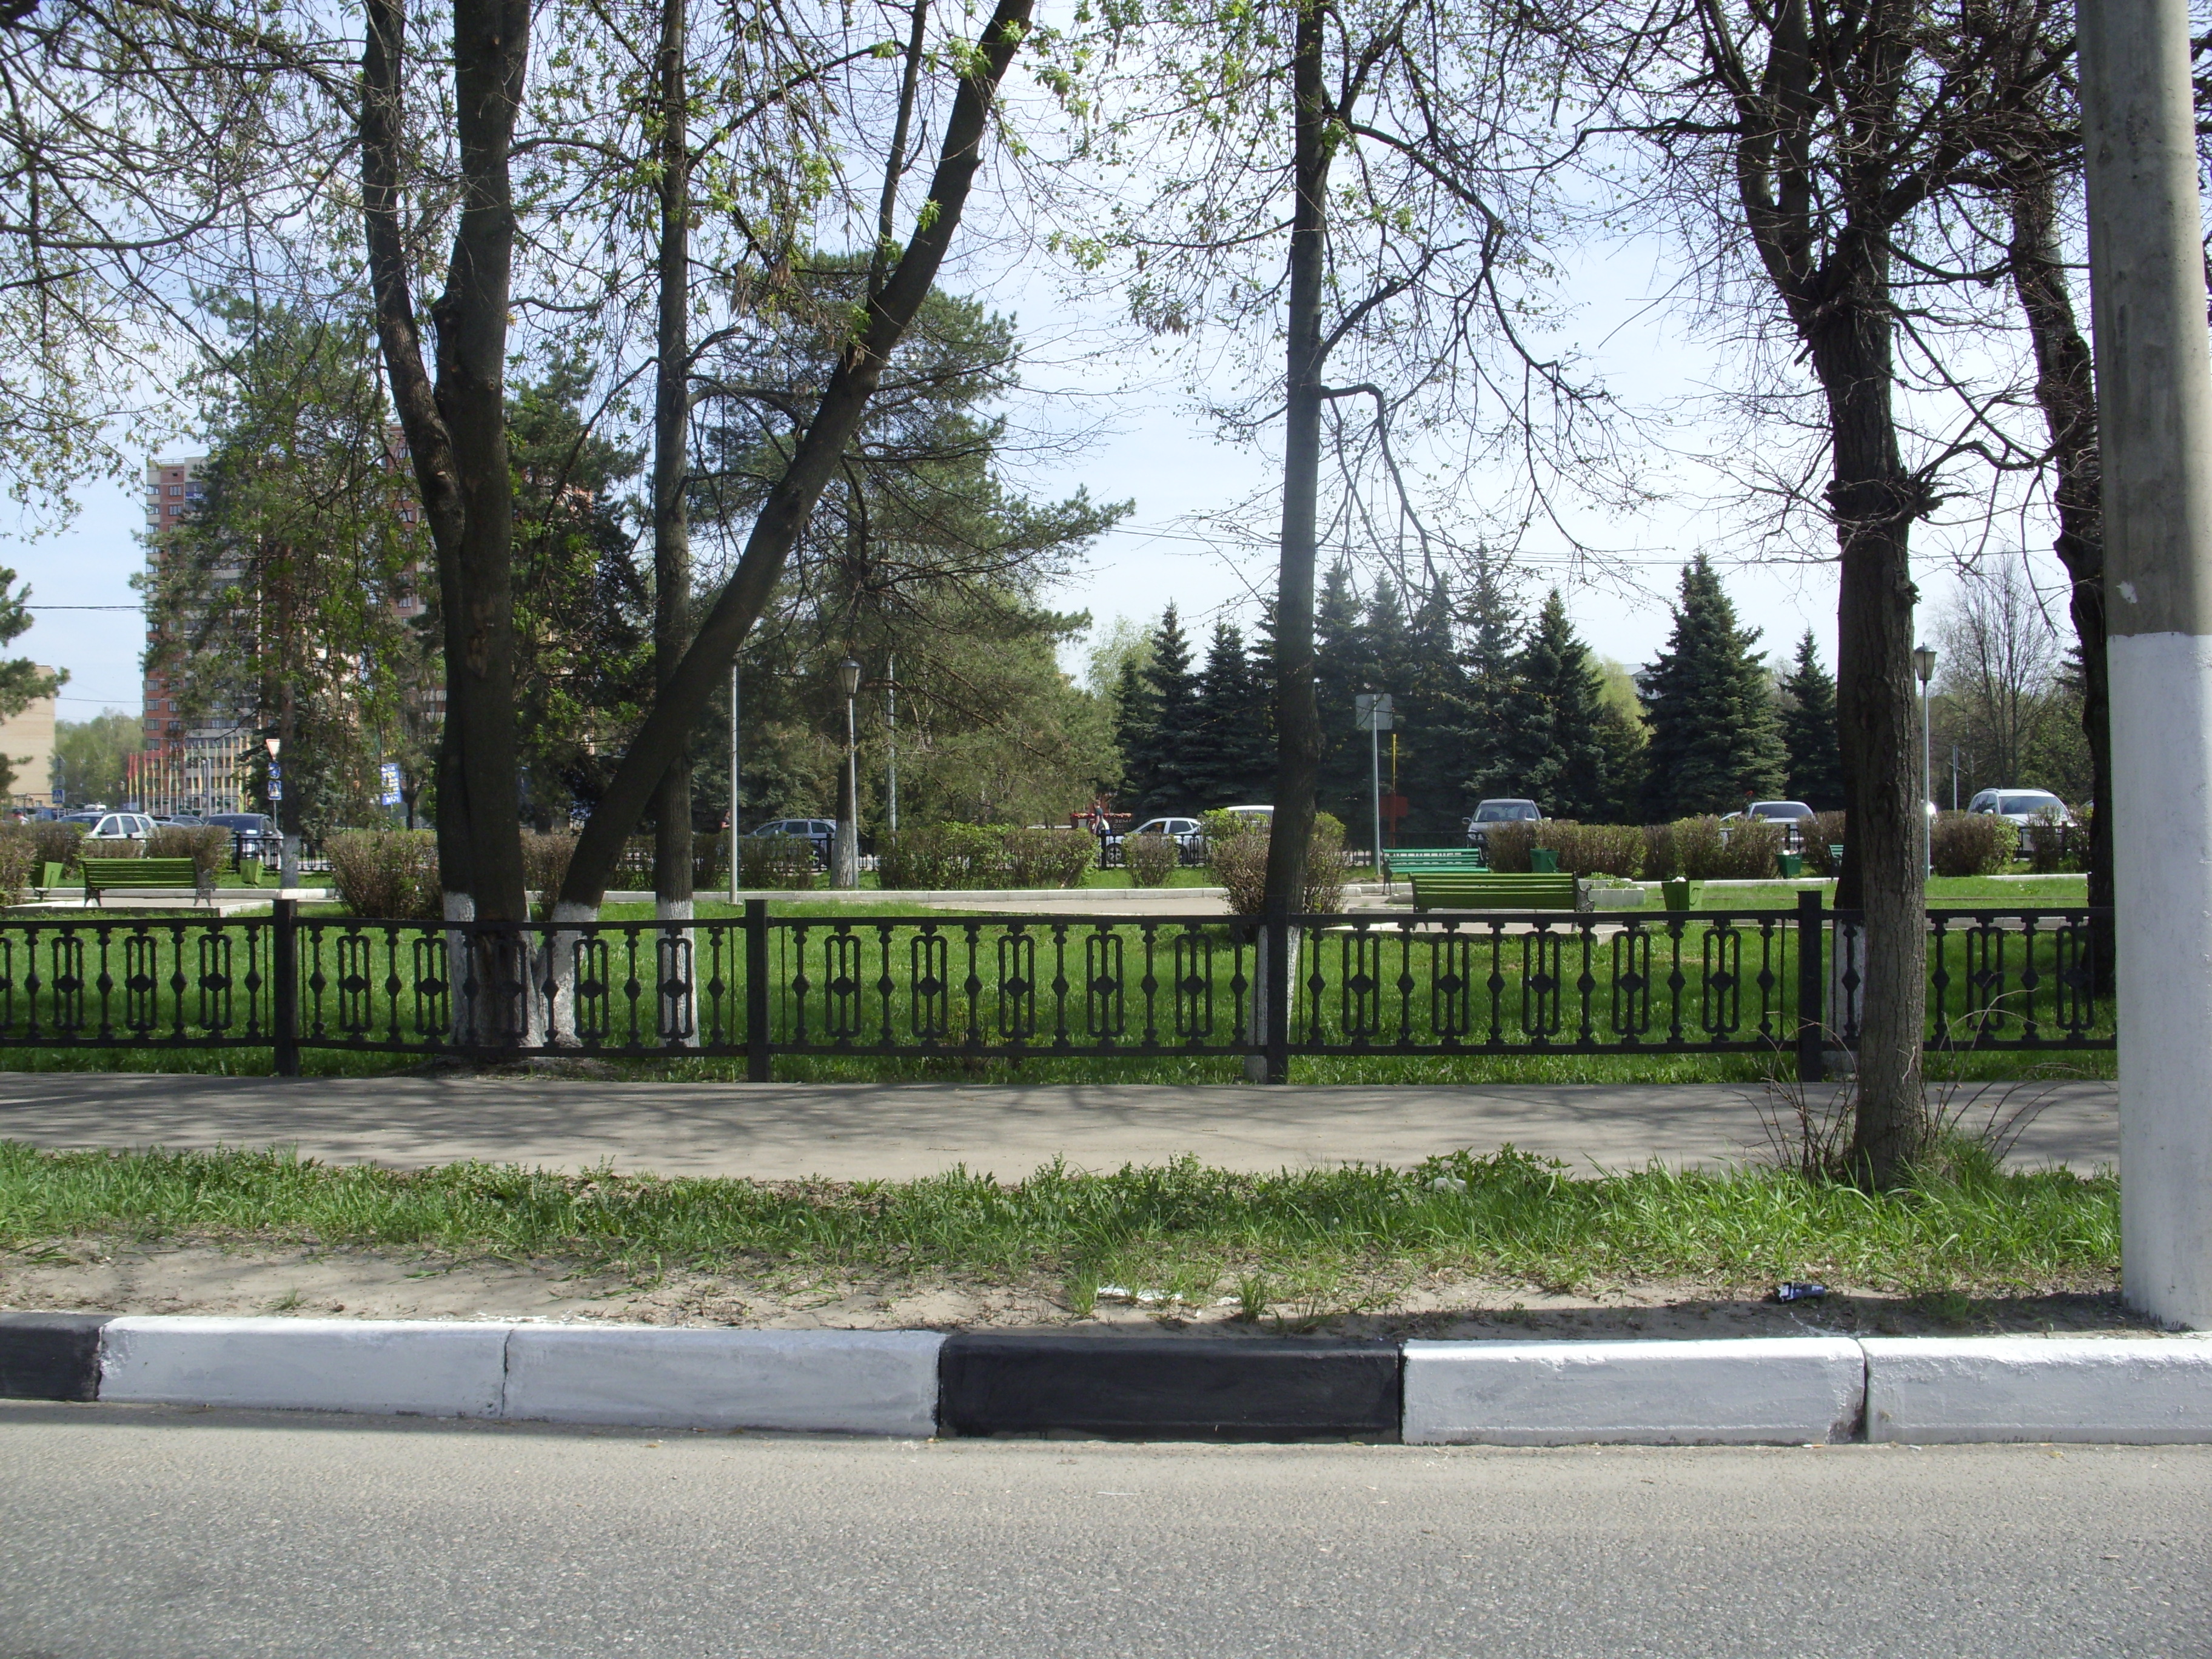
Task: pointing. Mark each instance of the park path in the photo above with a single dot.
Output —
(859, 1131)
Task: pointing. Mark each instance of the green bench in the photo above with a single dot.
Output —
(1461, 890)
(1409, 860)
(103, 876)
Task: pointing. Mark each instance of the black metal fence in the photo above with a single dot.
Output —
(932, 983)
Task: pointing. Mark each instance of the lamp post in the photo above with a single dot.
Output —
(844, 856)
(288, 855)
(890, 730)
(1924, 665)
(735, 850)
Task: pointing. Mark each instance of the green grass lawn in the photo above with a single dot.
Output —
(1183, 1226)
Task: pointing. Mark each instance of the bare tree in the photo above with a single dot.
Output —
(1997, 666)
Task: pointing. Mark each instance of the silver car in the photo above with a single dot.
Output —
(1490, 812)
(2021, 807)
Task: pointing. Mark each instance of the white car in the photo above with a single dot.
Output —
(121, 826)
(2021, 807)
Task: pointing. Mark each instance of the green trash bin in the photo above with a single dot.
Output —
(1676, 893)
(1793, 864)
(1543, 861)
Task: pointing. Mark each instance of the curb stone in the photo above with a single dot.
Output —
(1922, 1390)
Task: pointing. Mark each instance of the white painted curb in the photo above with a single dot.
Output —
(1735, 1392)
(837, 1382)
(1929, 1390)
(408, 1367)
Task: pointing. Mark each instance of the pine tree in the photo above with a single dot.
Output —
(1432, 740)
(1808, 732)
(1227, 758)
(1713, 742)
(1135, 715)
(1170, 700)
(1492, 622)
(1552, 719)
(1343, 667)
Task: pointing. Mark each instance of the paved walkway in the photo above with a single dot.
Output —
(897, 1131)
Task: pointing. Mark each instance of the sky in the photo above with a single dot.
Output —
(1158, 453)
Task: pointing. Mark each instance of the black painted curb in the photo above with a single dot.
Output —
(50, 1355)
(1168, 1387)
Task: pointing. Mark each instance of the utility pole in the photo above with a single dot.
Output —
(2154, 416)
(890, 715)
(1372, 710)
(734, 859)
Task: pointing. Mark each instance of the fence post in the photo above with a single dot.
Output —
(284, 986)
(1812, 981)
(757, 998)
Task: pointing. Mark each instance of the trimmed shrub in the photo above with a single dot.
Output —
(388, 874)
(1698, 854)
(1238, 861)
(19, 859)
(55, 842)
(940, 856)
(1970, 843)
(208, 846)
(1507, 846)
(545, 855)
(1750, 849)
(1151, 860)
(2052, 849)
(776, 863)
(1661, 862)
(1049, 858)
(1593, 849)
(1826, 831)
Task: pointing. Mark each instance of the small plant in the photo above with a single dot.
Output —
(208, 846)
(775, 863)
(1749, 850)
(545, 855)
(1152, 859)
(936, 857)
(1237, 857)
(1972, 843)
(1047, 857)
(1253, 1297)
(1593, 849)
(1506, 845)
(19, 858)
(55, 842)
(389, 874)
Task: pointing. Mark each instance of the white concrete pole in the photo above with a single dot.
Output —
(1374, 784)
(2154, 416)
(736, 875)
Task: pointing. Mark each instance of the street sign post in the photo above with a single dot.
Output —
(1372, 711)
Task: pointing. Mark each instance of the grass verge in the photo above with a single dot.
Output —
(1968, 1227)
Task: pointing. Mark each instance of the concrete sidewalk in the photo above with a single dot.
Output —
(786, 1131)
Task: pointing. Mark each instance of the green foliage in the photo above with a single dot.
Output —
(1159, 717)
(19, 860)
(390, 874)
(1593, 849)
(1713, 743)
(1151, 860)
(1972, 843)
(1228, 755)
(1047, 857)
(1814, 763)
(90, 754)
(1552, 748)
(1236, 855)
(56, 843)
(776, 863)
(208, 846)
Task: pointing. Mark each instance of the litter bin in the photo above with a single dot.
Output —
(1543, 861)
(1676, 893)
(1793, 864)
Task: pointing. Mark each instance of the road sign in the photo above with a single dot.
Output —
(390, 773)
(1370, 710)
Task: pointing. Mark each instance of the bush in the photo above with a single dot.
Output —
(545, 855)
(55, 842)
(1049, 858)
(942, 855)
(1153, 859)
(1748, 854)
(1238, 861)
(208, 846)
(1661, 862)
(19, 860)
(1970, 843)
(1593, 849)
(777, 863)
(388, 874)
(1826, 831)
(2051, 848)
(1507, 846)
(1698, 854)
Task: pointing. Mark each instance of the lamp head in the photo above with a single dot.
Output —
(1923, 663)
(848, 675)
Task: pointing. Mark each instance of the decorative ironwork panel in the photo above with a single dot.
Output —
(591, 1003)
(1017, 997)
(142, 983)
(66, 986)
(844, 1012)
(355, 985)
(929, 986)
(1359, 987)
(1542, 974)
(1451, 986)
(1630, 965)
(433, 1001)
(1193, 985)
(1105, 974)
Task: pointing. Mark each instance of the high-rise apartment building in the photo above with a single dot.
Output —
(173, 488)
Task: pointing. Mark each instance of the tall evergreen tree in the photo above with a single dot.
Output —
(1156, 780)
(1343, 667)
(1432, 740)
(1815, 774)
(1135, 715)
(1491, 620)
(1552, 719)
(1229, 755)
(1713, 739)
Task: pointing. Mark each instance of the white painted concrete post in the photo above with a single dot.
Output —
(2154, 414)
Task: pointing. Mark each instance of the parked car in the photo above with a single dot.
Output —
(1490, 812)
(118, 827)
(253, 834)
(1187, 833)
(822, 832)
(2021, 807)
(1795, 816)
(1261, 815)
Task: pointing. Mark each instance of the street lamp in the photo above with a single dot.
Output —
(1924, 665)
(846, 852)
(288, 855)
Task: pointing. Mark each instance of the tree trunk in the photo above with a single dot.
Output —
(672, 428)
(1297, 720)
(1875, 501)
(2065, 388)
(679, 702)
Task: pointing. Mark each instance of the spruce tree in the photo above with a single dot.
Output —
(1170, 702)
(1227, 758)
(1135, 715)
(1815, 773)
(1492, 622)
(1432, 740)
(1713, 741)
(1342, 668)
(1552, 712)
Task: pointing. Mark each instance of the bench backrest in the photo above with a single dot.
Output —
(100, 873)
(49, 874)
(1405, 861)
(1474, 889)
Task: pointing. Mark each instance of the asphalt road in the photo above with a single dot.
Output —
(153, 1533)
